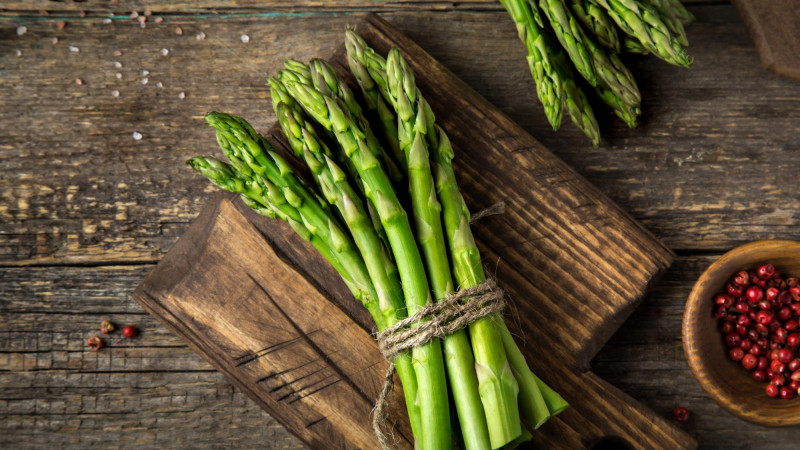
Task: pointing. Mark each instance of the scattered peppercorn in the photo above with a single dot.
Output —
(130, 331)
(94, 343)
(681, 414)
(106, 327)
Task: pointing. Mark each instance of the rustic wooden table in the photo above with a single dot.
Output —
(87, 209)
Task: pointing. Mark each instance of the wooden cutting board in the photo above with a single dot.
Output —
(259, 303)
(774, 26)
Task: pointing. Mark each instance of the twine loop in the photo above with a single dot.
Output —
(436, 320)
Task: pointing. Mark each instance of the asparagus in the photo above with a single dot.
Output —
(597, 22)
(465, 256)
(549, 85)
(469, 271)
(576, 102)
(644, 24)
(303, 213)
(412, 111)
(331, 114)
(360, 67)
(327, 81)
(633, 46)
(337, 190)
(629, 114)
(596, 65)
(670, 17)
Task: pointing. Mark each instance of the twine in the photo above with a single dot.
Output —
(433, 321)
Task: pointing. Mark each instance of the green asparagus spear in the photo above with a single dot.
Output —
(574, 100)
(373, 96)
(412, 127)
(644, 23)
(465, 257)
(632, 45)
(301, 213)
(469, 271)
(597, 22)
(549, 86)
(331, 114)
(670, 16)
(325, 79)
(596, 65)
(337, 190)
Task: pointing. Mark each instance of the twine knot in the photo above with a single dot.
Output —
(436, 320)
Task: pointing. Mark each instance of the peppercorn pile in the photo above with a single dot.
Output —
(758, 313)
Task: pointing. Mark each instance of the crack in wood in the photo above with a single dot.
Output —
(309, 341)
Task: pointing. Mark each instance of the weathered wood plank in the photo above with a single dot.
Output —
(276, 8)
(62, 407)
(108, 197)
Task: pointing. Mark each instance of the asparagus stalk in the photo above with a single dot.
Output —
(428, 364)
(337, 190)
(670, 17)
(643, 23)
(469, 271)
(596, 65)
(632, 45)
(372, 94)
(412, 127)
(497, 386)
(597, 22)
(465, 256)
(325, 79)
(549, 85)
(301, 212)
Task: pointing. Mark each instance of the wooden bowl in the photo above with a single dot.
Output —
(726, 381)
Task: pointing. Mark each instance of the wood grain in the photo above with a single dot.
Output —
(701, 155)
(711, 167)
(773, 26)
(276, 8)
(546, 202)
(724, 380)
(272, 332)
(69, 405)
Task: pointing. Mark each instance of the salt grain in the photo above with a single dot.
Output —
(164, 51)
(148, 13)
(178, 31)
(115, 93)
(117, 65)
(21, 30)
(137, 135)
(74, 49)
(181, 96)
(200, 36)
(54, 40)
(245, 38)
(106, 21)
(145, 73)
(144, 80)
(142, 19)
(159, 19)
(142, 25)
(18, 52)
(118, 75)
(134, 15)
(159, 85)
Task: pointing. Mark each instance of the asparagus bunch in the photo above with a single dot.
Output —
(503, 374)
(395, 227)
(587, 31)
